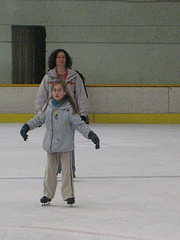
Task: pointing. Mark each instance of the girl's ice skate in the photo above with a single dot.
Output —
(44, 200)
(70, 201)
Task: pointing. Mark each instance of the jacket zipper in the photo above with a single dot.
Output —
(52, 130)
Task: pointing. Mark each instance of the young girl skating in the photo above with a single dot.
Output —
(61, 117)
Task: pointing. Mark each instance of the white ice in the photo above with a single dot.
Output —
(127, 190)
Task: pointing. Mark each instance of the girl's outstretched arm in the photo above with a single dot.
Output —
(35, 122)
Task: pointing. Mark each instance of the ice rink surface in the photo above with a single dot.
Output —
(127, 190)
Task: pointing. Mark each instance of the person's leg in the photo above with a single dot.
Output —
(50, 177)
(73, 165)
(67, 188)
(59, 168)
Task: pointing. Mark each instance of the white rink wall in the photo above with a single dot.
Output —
(102, 99)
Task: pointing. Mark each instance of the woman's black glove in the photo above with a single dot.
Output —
(25, 128)
(94, 138)
(85, 118)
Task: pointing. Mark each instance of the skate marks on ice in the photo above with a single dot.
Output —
(92, 177)
(78, 232)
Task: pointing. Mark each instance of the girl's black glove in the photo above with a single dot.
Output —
(94, 138)
(24, 130)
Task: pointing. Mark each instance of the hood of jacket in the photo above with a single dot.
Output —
(64, 106)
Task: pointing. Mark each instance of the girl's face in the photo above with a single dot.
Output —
(58, 92)
(61, 59)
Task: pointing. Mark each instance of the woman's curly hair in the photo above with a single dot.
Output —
(53, 56)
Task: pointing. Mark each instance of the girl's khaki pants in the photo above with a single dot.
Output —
(50, 175)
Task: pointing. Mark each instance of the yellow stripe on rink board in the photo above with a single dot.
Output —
(159, 118)
(15, 117)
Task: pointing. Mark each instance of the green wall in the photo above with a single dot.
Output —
(111, 42)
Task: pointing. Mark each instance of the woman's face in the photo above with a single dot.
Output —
(60, 59)
(58, 92)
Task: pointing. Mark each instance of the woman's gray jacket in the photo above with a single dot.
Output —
(60, 127)
(75, 86)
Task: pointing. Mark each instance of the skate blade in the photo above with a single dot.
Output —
(46, 204)
(71, 205)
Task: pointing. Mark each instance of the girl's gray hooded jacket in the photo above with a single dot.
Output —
(61, 124)
(75, 86)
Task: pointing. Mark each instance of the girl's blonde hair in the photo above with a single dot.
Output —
(67, 96)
